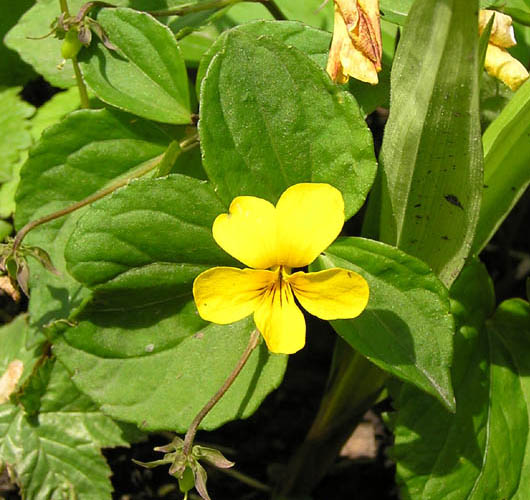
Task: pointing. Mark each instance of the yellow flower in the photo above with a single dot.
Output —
(499, 63)
(356, 48)
(272, 240)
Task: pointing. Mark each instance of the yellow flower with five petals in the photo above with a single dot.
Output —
(271, 241)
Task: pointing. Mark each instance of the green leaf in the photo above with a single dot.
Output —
(506, 172)
(82, 154)
(431, 178)
(14, 124)
(57, 455)
(45, 54)
(310, 12)
(74, 159)
(48, 114)
(406, 329)
(13, 338)
(479, 452)
(157, 366)
(315, 44)
(13, 71)
(140, 251)
(53, 111)
(148, 241)
(312, 42)
(146, 76)
(395, 11)
(271, 118)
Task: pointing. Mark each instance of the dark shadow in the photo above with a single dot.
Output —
(148, 5)
(65, 306)
(138, 313)
(99, 51)
(380, 334)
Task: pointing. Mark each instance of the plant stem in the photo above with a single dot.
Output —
(192, 430)
(64, 8)
(83, 94)
(271, 6)
(150, 165)
(250, 481)
(188, 8)
(185, 145)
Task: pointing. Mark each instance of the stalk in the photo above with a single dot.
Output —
(185, 145)
(192, 430)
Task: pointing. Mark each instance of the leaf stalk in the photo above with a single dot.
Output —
(147, 167)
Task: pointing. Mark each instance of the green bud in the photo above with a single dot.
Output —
(187, 481)
(71, 45)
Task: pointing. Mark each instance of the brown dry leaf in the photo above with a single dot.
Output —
(7, 287)
(10, 378)
(361, 444)
(356, 48)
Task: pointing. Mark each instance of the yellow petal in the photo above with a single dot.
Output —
(310, 217)
(501, 33)
(226, 294)
(331, 294)
(280, 321)
(500, 64)
(248, 232)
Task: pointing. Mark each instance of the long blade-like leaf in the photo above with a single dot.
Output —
(431, 177)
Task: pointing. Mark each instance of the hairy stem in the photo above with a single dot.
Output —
(192, 430)
(185, 145)
(83, 94)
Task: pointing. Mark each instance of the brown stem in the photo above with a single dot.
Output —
(185, 145)
(86, 201)
(192, 430)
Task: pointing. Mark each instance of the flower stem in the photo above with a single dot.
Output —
(83, 94)
(192, 430)
(185, 145)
